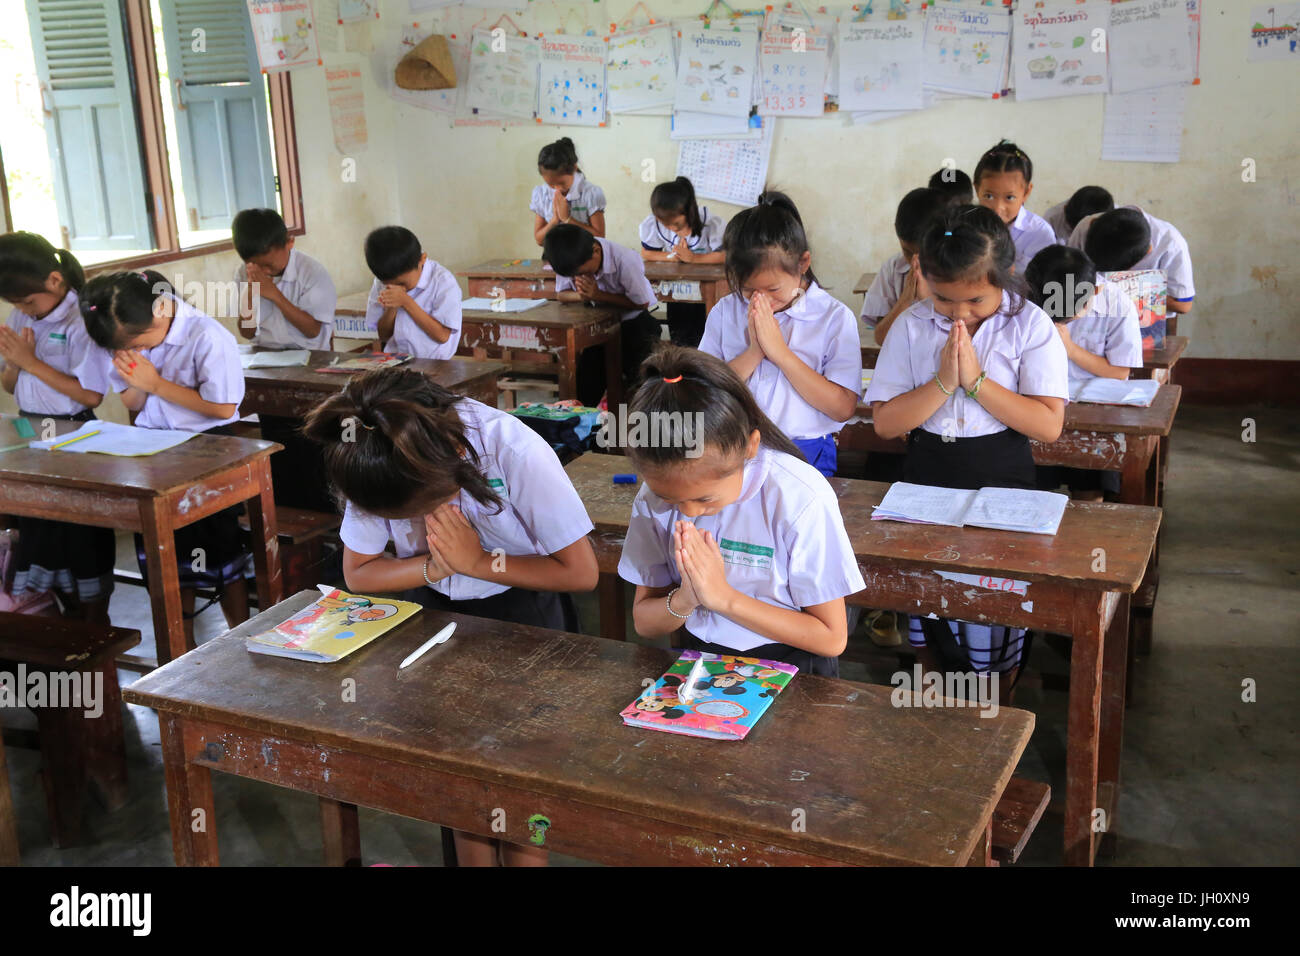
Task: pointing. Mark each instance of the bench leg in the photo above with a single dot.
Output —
(340, 832)
(613, 609)
(106, 745)
(8, 822)
(62, 732)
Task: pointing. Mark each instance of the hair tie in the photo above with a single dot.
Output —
(947, 232)
(93, 308)
(144, 277)
(672, 381)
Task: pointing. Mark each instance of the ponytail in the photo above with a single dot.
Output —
(26, 261)
(677, 198)
(770, 233)
(558, 157)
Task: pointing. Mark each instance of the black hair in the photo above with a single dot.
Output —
(26, 261)
(1005, 157)
(257, 231)
(119, 306)
(1117, 240)
(915, 211)
(954, 184)
(1062, 281)
(1086, 201)
(392, 251)
(558, 157)
(392, 439)
(706, 385)
(677, 198)
(769, 233)
(967, 242)
(567, 247)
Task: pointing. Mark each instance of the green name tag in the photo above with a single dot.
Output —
(744, 554)
(496, 484)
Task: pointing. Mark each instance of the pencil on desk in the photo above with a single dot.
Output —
(77, 439)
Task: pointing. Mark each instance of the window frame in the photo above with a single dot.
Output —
(159, 195)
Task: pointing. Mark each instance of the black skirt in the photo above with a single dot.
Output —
(806, 661)
(1000, 460)
(516, 605)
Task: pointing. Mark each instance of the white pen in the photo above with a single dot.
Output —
(687, 693)
(431, 642)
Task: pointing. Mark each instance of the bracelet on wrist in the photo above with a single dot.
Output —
(937, 381)
(668, 603)
(426, 571)
(974, 390)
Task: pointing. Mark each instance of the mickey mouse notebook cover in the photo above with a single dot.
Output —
(730, 696)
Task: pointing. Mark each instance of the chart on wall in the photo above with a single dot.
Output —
(731, 170)
(639, 69)
(1149, 45)
(965, 48)
(793, 65)
(503, 81)
(880, 65)
(1273, 33)
(572, 80)
(1061, 51)
(715, 71)
(284, 32)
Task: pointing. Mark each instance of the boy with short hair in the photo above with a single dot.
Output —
(286, 298)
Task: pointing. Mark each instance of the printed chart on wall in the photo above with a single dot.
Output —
(715, 71)
(572, 80)
(285, 33)
(347, 108)
(639, 69)
(503, 82)
(1149, 45)
(880, 65)
(1144, 127)
(965, 48)
(793, 66)
(1060, 51)
(1273, 33)
(730, 170)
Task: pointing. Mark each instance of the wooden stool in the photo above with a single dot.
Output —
(301, 534)
(75, 749)
(1016, 816)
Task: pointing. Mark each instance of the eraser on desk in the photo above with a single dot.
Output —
(24, 428)
(625, 479)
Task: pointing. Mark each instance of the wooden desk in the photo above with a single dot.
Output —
(563, 330)
(353, 304)
(863, 284)
(525, 720)
(292, 392)
(154, 496)
(1066, 594)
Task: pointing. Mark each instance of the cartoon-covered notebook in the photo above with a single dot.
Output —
(332, 627)
(728, 696)
(361, 363)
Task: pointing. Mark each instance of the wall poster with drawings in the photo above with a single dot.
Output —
(965, 48)
(1055, 51)
(793, 65)
(880, 65)
(1273, 32)
(639, 69)
(285, 33)
(572, 80)
(503, 83)
(715, 71)
(1149, 45)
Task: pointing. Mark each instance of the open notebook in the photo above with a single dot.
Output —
(110, 438)
(1005, 509)
(361, 363)
(332, 627)
(1113, 391)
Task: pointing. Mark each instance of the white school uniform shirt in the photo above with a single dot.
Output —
(307, 285)
(1169, 253)
(584, 197)
(819, 329)
(1021, 352)
(62, 343)
(656, 238)
(621, 272)
(1030, 233)
(782, 541)
(886, 289)
(1110, 329)
(540, 511)
(1055, 217)
(437, 293)
(199, 353)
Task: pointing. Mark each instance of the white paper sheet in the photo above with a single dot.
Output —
(571, 81)
(347, 102)
(640, 71)
(716, 71)
(690, 125)
(350, 10)
(503, 83)
(1139, 392)
(124, 441)
(284, 32)
(283, 358)
(793, 67)
(1144, 127)
(1149, 45)
(733, 171)
(923, 504)
(880, 65)
(1056, 51)
(1017, 509)
(965, 48)
(501, 305)
(1274, 32)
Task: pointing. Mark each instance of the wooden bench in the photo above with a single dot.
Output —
(1016, 815)
(76, 749)
(301, 534)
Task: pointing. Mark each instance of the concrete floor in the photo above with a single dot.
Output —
(1207, 778)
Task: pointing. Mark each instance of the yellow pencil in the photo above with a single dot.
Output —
(71, 440)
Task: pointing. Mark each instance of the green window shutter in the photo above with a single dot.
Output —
(90, 124)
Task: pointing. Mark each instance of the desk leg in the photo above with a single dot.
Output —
(1144, 603)
(1113, 688)
(614, 369)
(340, 833)
(982, 855)
(8, 822)
(613, 609)
(189, 798)
(266, 542)
(164, 580)
(568, 370)
(1083, 728)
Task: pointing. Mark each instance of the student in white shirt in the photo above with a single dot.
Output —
(1129, 238)
(286, 301)
(1086, 201)
(898, 284)
(481, 516)
(793, 344)
(680, 229)
(1099, 328)
(176, 368)
(414, 302)
(565, 196)
(44, 345)
(733, 536)
(286, 298)
(601, 272)
(970, 375)
(1003, 182)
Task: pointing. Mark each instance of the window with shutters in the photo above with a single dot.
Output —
(138, 128)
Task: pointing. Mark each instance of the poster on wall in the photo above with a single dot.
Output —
(572, 80)
(1273, 32)
(347, 108)
(1058, 51)
(285, 34)
(730, 170)
(1149, 45)
(716, 71)
(965, 48)
(880, 65)
(793, 65)
(352, 10)
(503, 83)
(639, 70)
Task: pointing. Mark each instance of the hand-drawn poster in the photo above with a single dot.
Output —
(347, 108)
(793, 65)
(639, 69)
(350, 10)
(1273, 33)
(285, 33)
(503, 82)
(965, 48)
(1149, 45)
(572, 80)
(715, 71)
(1056, 51)
(880, 65)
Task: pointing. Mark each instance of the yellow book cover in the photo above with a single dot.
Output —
(332, 626)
